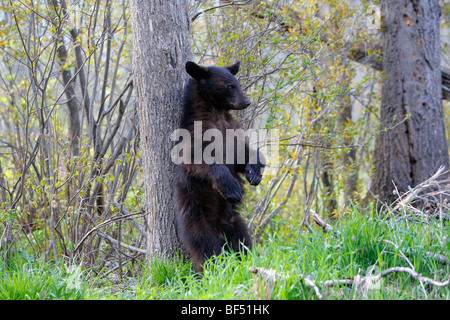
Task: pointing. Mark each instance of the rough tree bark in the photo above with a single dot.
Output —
(414, 150)
(161, 49)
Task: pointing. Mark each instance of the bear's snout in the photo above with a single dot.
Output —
(243, 103)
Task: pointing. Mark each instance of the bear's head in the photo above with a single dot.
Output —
(218, 87)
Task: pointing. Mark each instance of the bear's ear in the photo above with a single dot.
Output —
(234, 68)
(197, 72)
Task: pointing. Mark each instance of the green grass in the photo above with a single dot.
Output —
(365, 242)
(26, 279)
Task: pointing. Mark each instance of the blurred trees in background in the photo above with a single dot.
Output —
(70, 161)
(69, 138)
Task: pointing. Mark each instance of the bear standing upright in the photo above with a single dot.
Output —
(207, 195)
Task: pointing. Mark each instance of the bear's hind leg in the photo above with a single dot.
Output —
(203, 246)
(201, 241)
(238, 236)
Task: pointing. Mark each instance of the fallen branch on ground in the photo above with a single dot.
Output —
(375, 278)
(321, 223)
(361, 283)
(434, 195)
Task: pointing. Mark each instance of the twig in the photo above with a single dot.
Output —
(272, 276)
(310, 283)
(411, 272)
(415, 276)
(115, 268)
(234, 3)
(321, 223)
(404, 200)
(121, 243)
(113, 219)
(407, 260)
(350, 146)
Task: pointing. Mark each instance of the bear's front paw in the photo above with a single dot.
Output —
(253, 174)
(230, 189)
(233, 196)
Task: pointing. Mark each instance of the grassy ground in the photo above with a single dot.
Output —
(366, 246)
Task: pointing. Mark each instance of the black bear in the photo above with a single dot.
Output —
(207, 194)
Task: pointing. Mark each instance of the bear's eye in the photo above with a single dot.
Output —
(231, 86)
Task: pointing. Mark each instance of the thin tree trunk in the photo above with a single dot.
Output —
(349, 158)
(161, 49)
(9, 239)
(68, 80)
(72, 105)
(414, 150)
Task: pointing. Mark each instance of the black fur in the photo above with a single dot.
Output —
(207, 196)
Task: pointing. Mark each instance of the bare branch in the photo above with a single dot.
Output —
(111, 220)
(234, 3)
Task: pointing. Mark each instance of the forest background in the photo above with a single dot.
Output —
(71, 173)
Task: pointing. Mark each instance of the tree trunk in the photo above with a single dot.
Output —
(161, 49)
(412, 151)
(349, 158)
